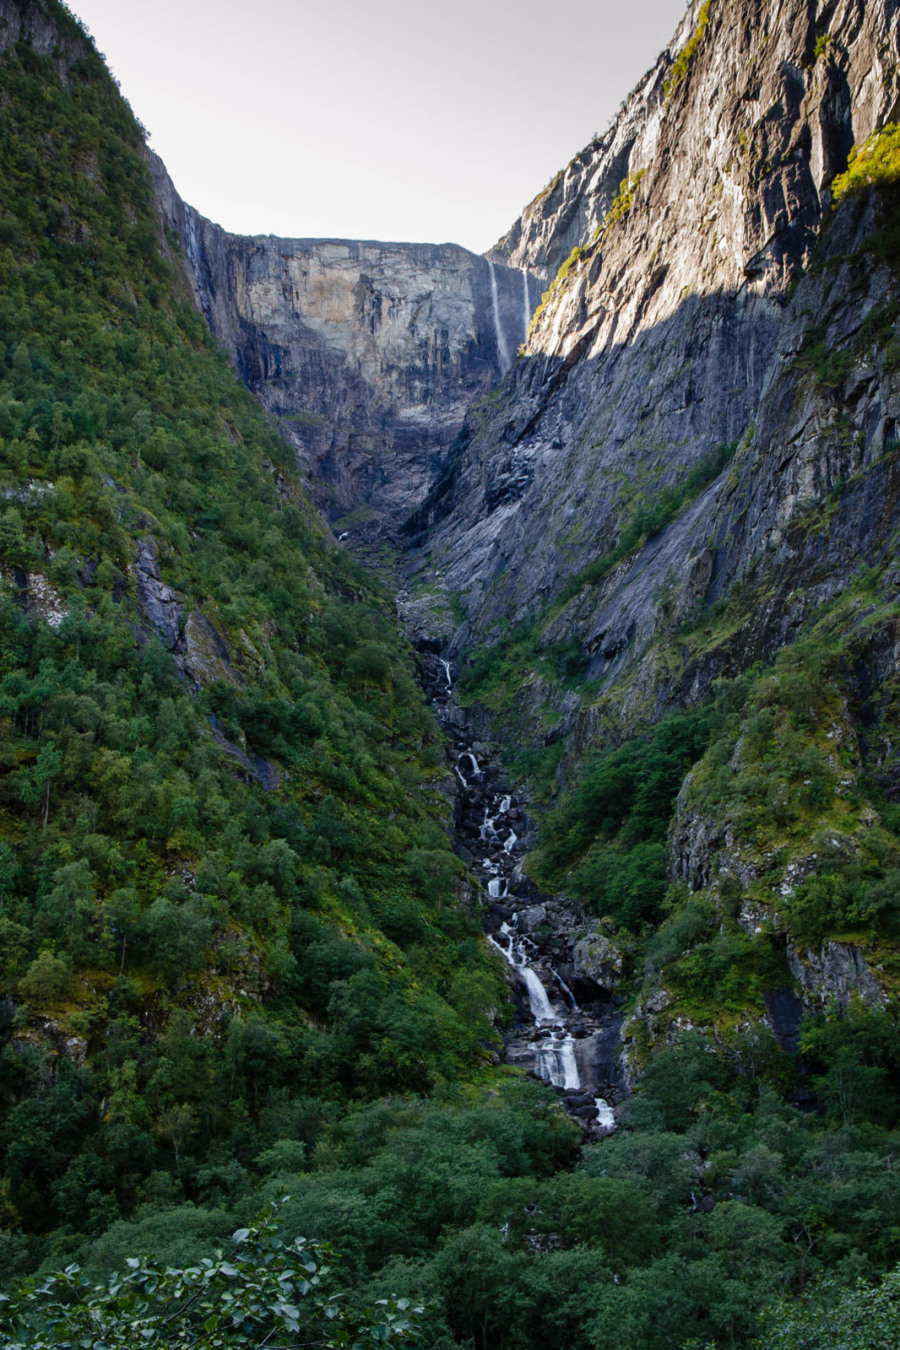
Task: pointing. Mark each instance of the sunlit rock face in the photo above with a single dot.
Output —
(675, 331)
(368, 354)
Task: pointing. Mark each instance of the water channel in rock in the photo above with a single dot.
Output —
(567, 1028)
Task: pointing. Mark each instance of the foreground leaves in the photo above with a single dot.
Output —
(265, 1293)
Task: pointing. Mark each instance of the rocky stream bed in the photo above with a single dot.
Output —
(562, 966)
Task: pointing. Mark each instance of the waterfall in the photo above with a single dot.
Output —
(538, 1002)
(502, 348)
(487, 811)
(556, 1062)
(565, 988)
(526, 312)
(605, 1114)
(460, 759)
(193, 250)
(487, 828)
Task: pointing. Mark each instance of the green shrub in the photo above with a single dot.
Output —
(683, 60)
(876, 163)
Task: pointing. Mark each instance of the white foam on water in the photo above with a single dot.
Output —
(605, 1114)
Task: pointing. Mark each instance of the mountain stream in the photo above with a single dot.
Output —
(566, 1029)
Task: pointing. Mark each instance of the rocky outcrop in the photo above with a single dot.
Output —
(160, 605)
(833, 974)
(368, 354)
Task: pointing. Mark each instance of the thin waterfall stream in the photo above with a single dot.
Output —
(566, 1030)
(502, 344)
(526, 304)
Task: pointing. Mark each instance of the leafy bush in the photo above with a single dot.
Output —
(682, 62)
(265, 1292)
(605, 840)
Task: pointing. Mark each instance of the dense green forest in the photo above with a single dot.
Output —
(228, 900)
(239, 958)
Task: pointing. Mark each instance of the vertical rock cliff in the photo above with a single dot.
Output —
(368, 354)
(677, 240)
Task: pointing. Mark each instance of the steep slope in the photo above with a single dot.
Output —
(692, 467)
(687, 224)
(368, 354)
(225, 883)
(229, 917)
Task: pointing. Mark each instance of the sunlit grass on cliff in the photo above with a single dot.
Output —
(876, 163)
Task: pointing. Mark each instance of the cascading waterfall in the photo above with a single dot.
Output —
(526, 312)
(502, 346)
(514, 953)
(474, 769)
(192, 249)
(554, 1052)
(565, 988)
(548, 1047)
(606, 1116)
(555, 1061)
(554, 1056)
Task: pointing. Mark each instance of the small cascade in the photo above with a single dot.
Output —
(606, 1117)
(566, 990)
(193, 250)
(526, 312)
(472, 764)
(514, 953)
(570, 1047)
(502, 346)
(556, 1062)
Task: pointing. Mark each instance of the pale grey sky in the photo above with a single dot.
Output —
(374, 119)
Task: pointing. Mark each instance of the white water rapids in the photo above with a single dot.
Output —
(493, 815)
(554, 1056)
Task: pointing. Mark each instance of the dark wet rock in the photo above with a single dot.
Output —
(162, 606)
(785, 1011)
(255, 768)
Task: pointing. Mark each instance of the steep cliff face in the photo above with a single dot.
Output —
(692, 466)
(737, 133)
(368, 354)
(667, 333)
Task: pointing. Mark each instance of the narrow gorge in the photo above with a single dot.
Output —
(450, 729)
(562, 969)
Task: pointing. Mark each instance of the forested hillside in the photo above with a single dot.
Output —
(228, 899)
